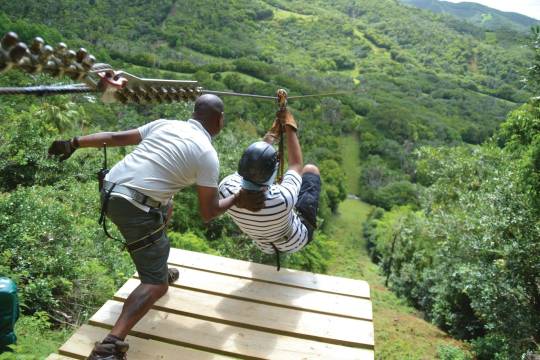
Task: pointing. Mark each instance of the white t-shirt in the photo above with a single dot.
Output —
(277, 222)
(171, 156)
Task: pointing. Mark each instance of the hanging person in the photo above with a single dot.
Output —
(137, 197)
(288, 219)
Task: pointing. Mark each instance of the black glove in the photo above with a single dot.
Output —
(251, 200)
(62, 148)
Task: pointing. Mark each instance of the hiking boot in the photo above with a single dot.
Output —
(116, 351)
(173, 275)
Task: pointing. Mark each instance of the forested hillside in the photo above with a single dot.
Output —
(425, 90)
(478, 14)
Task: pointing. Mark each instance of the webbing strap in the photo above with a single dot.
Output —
(146, 240)
(102, 219)
(133, 194)
(278, 263)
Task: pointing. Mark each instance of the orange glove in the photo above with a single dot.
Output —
(286, 118)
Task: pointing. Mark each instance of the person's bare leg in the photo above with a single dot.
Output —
(136, 306)
(310, 168)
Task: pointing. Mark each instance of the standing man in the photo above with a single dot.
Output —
(286, 222)
(137, 196)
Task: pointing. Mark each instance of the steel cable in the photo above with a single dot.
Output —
(46, 90)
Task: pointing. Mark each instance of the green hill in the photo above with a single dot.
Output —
(478, 14)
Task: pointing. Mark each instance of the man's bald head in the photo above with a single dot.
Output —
(208, 111)
(208, 105)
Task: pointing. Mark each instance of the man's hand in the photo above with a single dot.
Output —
(62, 148)
(286, 118)
(251, 200)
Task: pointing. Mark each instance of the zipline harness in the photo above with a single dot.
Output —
(106, 188)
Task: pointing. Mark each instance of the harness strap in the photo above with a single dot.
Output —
(102, 220)
(132, 193)
(278, 264)
(146, 240)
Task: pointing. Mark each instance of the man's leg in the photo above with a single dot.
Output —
(151, 264)
(136, 306)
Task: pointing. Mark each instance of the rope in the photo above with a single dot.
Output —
(46, 90)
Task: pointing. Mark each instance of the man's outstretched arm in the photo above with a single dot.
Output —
(119, 138)
(65, 148)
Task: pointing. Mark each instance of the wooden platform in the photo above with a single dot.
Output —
(222, 308)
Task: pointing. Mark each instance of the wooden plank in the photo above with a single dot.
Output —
(81, 343)
(250, 270)
(274, 294)
(305, 324)
(58, 357)
(227, 339)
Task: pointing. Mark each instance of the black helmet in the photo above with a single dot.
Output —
(258, 164)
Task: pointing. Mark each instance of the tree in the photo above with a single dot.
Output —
(533, 80)
(334, 183)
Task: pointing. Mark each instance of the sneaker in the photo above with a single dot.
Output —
(116, 351)
(173, 275)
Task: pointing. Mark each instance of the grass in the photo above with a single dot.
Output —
(400, 330)
(35, 338)
(350, 151)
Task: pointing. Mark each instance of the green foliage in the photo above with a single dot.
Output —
(493, 346)
(189, 241)
(314, 257)
(396, 193)
(39, 244)
(36, 338)
(436, 90)
(449, 352)
(467, 259)
(533, 80)
(255, 68)
(385, 187)
(333, 178)
(521, 135)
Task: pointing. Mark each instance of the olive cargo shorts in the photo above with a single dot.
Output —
(134, 223)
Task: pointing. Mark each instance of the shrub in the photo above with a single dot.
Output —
(190, 241)
(449, 352)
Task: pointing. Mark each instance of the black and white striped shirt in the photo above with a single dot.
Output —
(277, 222)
